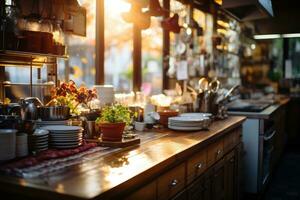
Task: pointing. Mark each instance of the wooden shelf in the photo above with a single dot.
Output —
(20, 58)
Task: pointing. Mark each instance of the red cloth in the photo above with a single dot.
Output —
(47, 155)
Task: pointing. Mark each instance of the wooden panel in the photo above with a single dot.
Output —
(100, 47)
(171, 182)
(215, 152)
(147, 192)
(231, 173)
(231, 140)
(218, 181)
(197, 190)
(196, 165)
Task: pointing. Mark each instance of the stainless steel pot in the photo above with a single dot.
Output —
(54, 113)
(29, 108)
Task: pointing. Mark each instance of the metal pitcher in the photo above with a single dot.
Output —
(29, 108)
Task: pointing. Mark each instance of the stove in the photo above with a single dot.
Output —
(242, 106)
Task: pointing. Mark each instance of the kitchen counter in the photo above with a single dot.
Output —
(265, 114)
(121, 170)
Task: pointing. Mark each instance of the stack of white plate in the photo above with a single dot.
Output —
(39, 140)
(40, 123)
(7, 144)
(192, 122)
(64, 137)
(21, 145)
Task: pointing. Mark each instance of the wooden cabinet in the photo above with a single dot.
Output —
(147, 192)
(215, 152)
(171, 182)
(231, 175)
(211, 173)
(198, 190)
(196, 165)
(218, 181)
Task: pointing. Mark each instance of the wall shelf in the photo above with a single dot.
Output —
(20, 58)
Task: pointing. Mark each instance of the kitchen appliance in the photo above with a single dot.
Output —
(29, 108)
(247, 106)
(258, 139)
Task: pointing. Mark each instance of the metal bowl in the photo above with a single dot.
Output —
(54, 113)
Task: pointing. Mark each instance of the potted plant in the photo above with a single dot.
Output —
(68, 94)
(112, 122)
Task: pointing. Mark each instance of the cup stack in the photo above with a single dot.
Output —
(7, 144)
(21, 145)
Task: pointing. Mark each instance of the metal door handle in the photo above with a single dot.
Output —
(199, 166)
(174, 183)
(266, 138)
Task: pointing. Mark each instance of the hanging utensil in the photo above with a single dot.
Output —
(214, 86)
(203, 85)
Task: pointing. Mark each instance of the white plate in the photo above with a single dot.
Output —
(53, 122)
(196, 115)
(188, 119)
(62, 128)
(180, 128)
(67, 135)
(66, 146)
(185, 124)
(66, 141)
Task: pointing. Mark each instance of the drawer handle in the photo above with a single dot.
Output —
(219, 152)
(199, 166)
(174, 183)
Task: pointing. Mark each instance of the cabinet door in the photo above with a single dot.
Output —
(171, 183)
(231, 176)
(197, 190)
(147, 192)
(218, 181)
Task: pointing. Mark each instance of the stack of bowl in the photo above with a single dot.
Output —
(21, 145)
(7, 144)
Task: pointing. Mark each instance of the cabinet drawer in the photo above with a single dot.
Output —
(196, 165)
(231, 140)
(171, 182)
(215, 152)
(147, 192)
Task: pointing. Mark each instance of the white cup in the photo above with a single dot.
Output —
(139, 126)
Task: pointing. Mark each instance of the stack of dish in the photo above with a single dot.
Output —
(7, 144)
(190, 122)
(64, 137)
(40, 123)
(39, 140)
(21, 145)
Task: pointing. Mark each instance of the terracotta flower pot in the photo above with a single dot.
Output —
(112, 131)
(164, 116)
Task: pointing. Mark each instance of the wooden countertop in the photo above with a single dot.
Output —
(265, 114)
(121, 169)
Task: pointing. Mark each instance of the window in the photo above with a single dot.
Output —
(81, 51)
(152, 58)
(118, 65)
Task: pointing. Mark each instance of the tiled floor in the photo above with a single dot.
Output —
(285, 184)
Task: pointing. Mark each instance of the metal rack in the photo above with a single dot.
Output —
(27, 59)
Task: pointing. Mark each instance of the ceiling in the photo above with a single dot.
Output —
(286, 14)
(285, 20)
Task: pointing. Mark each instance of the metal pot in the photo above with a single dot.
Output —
(29, 108)
(54, 113)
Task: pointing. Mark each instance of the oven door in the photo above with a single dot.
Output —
(267, 155)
